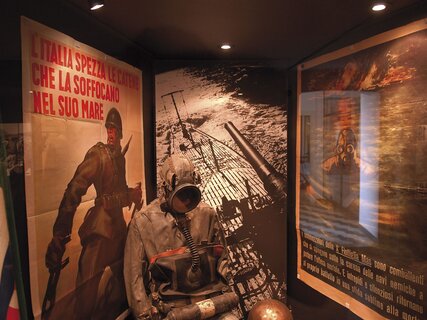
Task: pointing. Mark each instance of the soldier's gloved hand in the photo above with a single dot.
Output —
(135, 194)
(155, 315)
(54, 253)
(151, 314)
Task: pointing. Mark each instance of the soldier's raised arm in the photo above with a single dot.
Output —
(76, 188)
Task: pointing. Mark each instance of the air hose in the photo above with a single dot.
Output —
(195, 257)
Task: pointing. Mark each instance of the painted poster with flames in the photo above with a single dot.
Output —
(361, 174)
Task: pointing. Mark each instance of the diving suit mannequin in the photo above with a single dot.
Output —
(175, 264)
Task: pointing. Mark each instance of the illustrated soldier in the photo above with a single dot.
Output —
(341, 180)
(343, 169)
(103, 231)
(345, 158)
(175, 264)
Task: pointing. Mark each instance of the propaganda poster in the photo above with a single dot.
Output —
(362, 175)
(84, 164)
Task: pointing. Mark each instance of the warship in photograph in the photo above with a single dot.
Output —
(249, 197)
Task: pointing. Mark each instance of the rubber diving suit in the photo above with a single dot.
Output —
(175, 252)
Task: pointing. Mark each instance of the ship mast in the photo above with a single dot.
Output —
(186, 134)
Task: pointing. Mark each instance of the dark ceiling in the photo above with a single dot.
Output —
(286, 30)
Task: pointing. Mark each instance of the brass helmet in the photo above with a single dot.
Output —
(179, 184)
(114, 120)
(270, 309)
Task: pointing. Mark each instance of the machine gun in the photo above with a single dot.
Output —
(273, 182)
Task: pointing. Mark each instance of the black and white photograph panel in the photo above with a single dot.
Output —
(230, 120)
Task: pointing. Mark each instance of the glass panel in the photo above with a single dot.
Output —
(361, 196)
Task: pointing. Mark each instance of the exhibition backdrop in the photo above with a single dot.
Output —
(11, 170)
(9, 308)
(199, 110)
(361, 163)
(68, 89)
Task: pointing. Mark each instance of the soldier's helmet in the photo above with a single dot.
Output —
(114, 120)
(179, 183)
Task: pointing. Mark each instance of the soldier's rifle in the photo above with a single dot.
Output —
(50, 296)
(126, 147)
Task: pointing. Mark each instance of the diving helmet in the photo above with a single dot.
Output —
(270, 309)
(179, 184)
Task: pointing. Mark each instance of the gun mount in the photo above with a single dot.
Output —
(274, 183)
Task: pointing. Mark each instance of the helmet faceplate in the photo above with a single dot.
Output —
(179, 181)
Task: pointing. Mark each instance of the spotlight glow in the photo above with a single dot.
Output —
(225, 46)
(378, 7)
(96, 7)
(95, 4)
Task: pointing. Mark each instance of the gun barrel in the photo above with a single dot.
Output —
(274, 183)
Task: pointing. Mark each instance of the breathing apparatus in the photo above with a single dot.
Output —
(346, 147)
(182, 195)
(180, 180)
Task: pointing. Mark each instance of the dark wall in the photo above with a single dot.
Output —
(64, 17)
(84, 27)
(305, 302)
